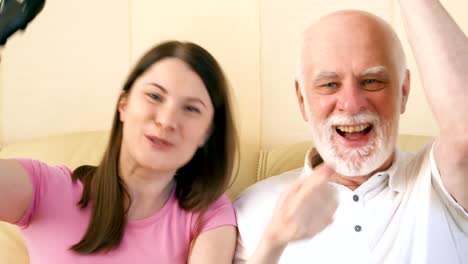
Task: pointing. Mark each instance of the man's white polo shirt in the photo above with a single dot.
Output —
(401, 215)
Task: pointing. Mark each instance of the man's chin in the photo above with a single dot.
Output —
(359, 166)
(353, 166)
(353, 172)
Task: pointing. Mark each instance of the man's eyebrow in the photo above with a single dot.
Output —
(377, 70)
(325, 75)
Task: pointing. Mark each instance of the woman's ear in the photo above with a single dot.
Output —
(122, 105)
(207, 136)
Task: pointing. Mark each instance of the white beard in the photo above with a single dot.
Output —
(356, 161)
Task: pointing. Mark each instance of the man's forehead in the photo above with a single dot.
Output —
(346, 19)
(346, 28)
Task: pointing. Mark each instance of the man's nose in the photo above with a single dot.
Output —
(352, 99)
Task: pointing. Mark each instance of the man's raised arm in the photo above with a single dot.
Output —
(441, 51)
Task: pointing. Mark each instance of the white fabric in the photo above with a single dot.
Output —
(405, 214)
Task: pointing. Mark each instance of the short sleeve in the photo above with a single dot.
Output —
(456, 210)
(220, 213)
(44, 180)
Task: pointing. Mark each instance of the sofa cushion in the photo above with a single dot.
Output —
(12, 248)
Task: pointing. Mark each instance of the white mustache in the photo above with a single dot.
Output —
(347, 120)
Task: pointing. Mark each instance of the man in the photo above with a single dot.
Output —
(367, 202)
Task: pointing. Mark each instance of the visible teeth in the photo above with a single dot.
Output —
(353, 129)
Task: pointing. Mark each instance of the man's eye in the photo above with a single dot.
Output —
(370, 81)
(327, 88)
(192, 109)
(372, 85)
(330, 85)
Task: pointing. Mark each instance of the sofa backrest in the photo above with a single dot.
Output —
(72, 149)
(278, 160)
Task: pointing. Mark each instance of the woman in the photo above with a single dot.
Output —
(157, 195)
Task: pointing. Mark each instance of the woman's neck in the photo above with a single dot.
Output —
(149, 190)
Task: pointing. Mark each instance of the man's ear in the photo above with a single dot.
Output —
(405, 90)
(122, 105)
(300, 100)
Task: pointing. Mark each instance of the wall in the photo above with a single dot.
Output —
(64, 74)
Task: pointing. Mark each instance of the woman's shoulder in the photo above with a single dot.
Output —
(220, 212)
(37, 168)
(53, 188)
(222, 202)
(51, 182)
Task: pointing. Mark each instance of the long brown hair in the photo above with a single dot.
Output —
(198, 183)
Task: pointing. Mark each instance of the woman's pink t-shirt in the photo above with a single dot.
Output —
(54, 222)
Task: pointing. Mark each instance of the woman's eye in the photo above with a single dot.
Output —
(192, 109)
(155, 97)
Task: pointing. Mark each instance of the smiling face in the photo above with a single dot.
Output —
(166, 116)
(352, 89)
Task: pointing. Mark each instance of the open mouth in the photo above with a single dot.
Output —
(354, 132)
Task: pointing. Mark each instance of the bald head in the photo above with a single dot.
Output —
(351, 36)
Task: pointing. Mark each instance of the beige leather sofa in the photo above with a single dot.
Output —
(86, 148)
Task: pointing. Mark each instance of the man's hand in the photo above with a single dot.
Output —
(302, 212)
(305, 209)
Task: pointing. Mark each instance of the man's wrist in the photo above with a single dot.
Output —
(271, 244)
(267, 252)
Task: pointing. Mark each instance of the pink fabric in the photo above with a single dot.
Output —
(54, 222)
